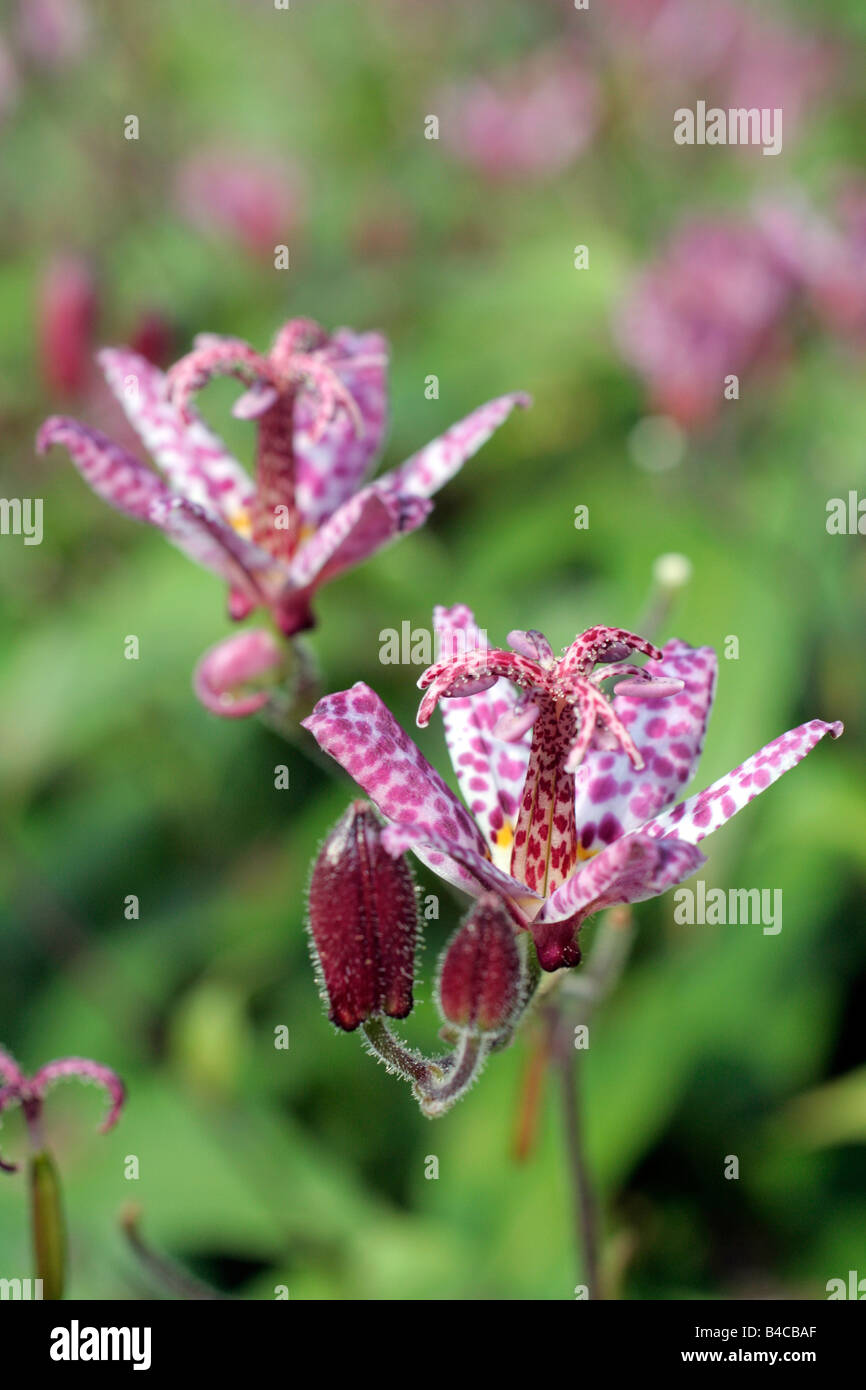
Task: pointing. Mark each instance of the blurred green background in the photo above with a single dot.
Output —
(306, 1167)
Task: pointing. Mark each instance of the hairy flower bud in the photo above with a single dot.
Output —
(363, 922)
(480, 981)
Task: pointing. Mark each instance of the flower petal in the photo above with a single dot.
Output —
(10, 1071)
(611, 798)
(630, 870)
(133, 488)
(358, 528)
(435, 852)
(330, 465)
(425, 472)
(83, 1069)
(357, 729)
(205, 538)
(115, 475)
(703, 813)
(490, 771)
(195, 462)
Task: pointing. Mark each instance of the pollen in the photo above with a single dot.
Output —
(241, 522)
(504, 836)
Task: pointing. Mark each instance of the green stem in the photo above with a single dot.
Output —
(579, 996)
(49, 1236)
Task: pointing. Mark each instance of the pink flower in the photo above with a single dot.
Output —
(826, 255)
(722, 52)
(29, 1091)
(52, 33)
(712, 305)
(248, 198)
(572, 805)
(530, 121)
(319, 403)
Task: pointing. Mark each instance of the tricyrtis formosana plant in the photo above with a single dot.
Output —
(570, 767)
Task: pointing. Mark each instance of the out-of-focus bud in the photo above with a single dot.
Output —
(363, 922)
(481, 976)
(153, 338)
(66, 318)
(226, 677)
(672, 571)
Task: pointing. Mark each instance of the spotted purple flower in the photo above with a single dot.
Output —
(29, 1091)
(713, 304)
(571, 805)
(319, 403)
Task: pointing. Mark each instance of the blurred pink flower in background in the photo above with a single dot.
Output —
(68, 311)
(8, 82)
(531, 120)
(741, 59)
(66, 320)
(827, 254)
(52, 33)
(711, 305)
(246, 197)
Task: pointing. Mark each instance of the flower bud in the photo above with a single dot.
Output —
(66, 317)
(481, 977)
(235, 678)
(363, 922)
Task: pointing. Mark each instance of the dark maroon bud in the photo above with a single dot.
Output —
(481, 979)
(363, 921)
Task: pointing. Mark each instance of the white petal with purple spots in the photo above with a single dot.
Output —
(195, 462)
(491, 772)
(611, 798)
(703, 813)
(358, 730)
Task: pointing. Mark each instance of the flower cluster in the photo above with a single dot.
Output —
(570, 765)
(571, 806)
(319, 404)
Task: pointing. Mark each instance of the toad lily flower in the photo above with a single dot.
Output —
(319, 403)
(29, 1091)
(46, 1207)
(571, 792)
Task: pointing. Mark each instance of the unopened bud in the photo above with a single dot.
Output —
(363, 922)
(66, 316)
(235, 678)
(480, 981)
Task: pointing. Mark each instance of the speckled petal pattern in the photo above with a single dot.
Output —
(428, 470)
(195, 462)
(490, 771)
(628, 871)
(611, 797)
(704, 812)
